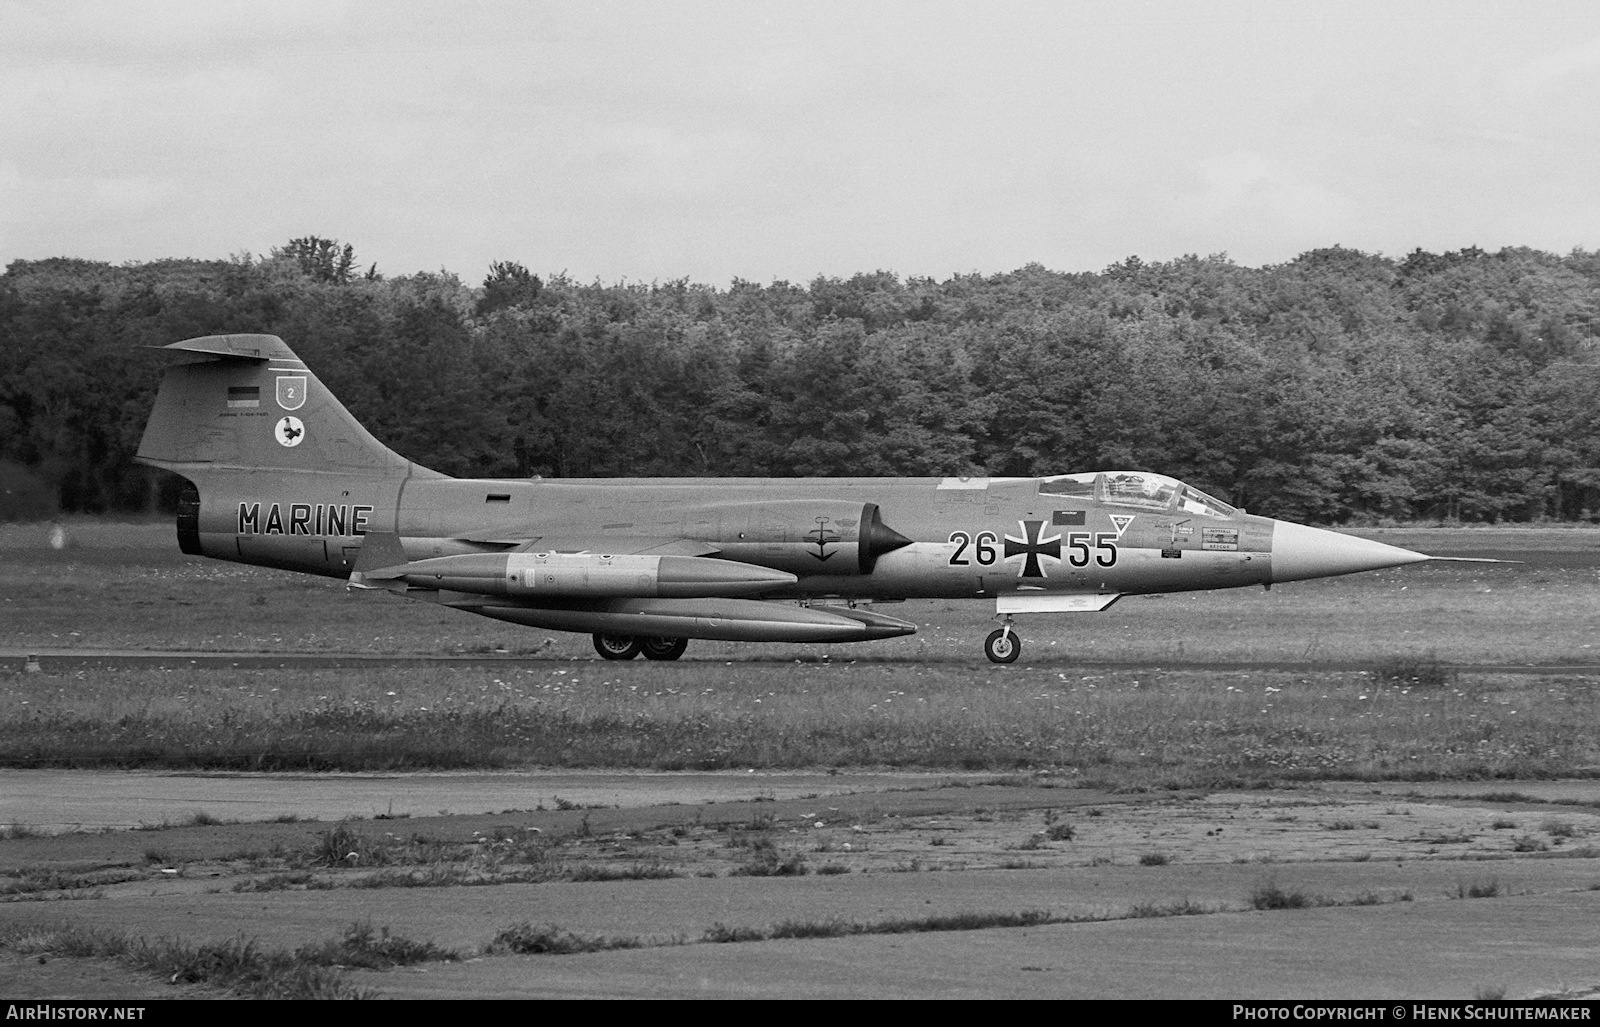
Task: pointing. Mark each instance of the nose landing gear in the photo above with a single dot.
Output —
(1002, 646)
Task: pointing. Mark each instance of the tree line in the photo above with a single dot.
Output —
(1340, 385)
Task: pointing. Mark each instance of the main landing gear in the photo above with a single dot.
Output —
(626, 647)
(1002, 646)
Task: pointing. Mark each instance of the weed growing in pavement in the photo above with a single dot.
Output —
(769, 862)
(1451, 838)
(1182, 907)
(283, 882)
(367, 949)
(1270, 896)
(239, 966)
(550, 940)
(834, 928)
(1478, 889)
(354, 859)
(1521, 797)
(838, 928)
(636, 872)
(11, 832)
(721, 934)
(30, 881)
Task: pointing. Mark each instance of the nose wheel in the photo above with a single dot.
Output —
(1002, 646)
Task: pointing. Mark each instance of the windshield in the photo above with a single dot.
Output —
(1192, 500)
(1136, 488)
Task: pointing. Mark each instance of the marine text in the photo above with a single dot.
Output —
(305, 519)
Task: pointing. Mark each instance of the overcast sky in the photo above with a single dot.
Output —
(648, 141)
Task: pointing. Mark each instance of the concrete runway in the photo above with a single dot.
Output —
(91, 800)
(1539, 945)
(1390, 861)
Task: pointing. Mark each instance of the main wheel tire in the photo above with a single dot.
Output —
(664, 648)
(1002, 646)
(616, 647)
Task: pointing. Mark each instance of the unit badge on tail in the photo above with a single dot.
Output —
(291, 431)
(292, 391)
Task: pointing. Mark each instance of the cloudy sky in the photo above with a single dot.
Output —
(648, 141)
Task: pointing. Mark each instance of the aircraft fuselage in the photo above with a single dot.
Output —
(969, 537)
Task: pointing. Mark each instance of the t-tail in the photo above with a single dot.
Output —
(279, 472)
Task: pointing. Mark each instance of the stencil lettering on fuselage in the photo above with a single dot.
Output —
(342, 519)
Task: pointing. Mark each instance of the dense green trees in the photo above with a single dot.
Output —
(1338, 385)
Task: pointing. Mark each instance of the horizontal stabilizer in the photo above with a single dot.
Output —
(231, 347)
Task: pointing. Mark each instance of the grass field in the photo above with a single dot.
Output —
(1414, 694)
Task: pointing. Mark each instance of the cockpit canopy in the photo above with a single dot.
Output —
(1137, 489)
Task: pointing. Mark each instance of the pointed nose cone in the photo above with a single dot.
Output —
(1299, 552)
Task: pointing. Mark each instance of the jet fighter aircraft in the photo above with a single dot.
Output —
(280, 474)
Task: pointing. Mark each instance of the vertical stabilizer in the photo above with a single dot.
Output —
(246, 402)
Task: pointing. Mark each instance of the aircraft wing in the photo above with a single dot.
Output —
(654, 594)
(626, 546)
(588, 542)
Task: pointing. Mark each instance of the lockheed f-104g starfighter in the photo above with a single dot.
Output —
(280, 474)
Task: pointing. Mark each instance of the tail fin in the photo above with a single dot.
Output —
(246, 402)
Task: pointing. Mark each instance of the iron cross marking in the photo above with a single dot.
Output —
(1033, 545)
